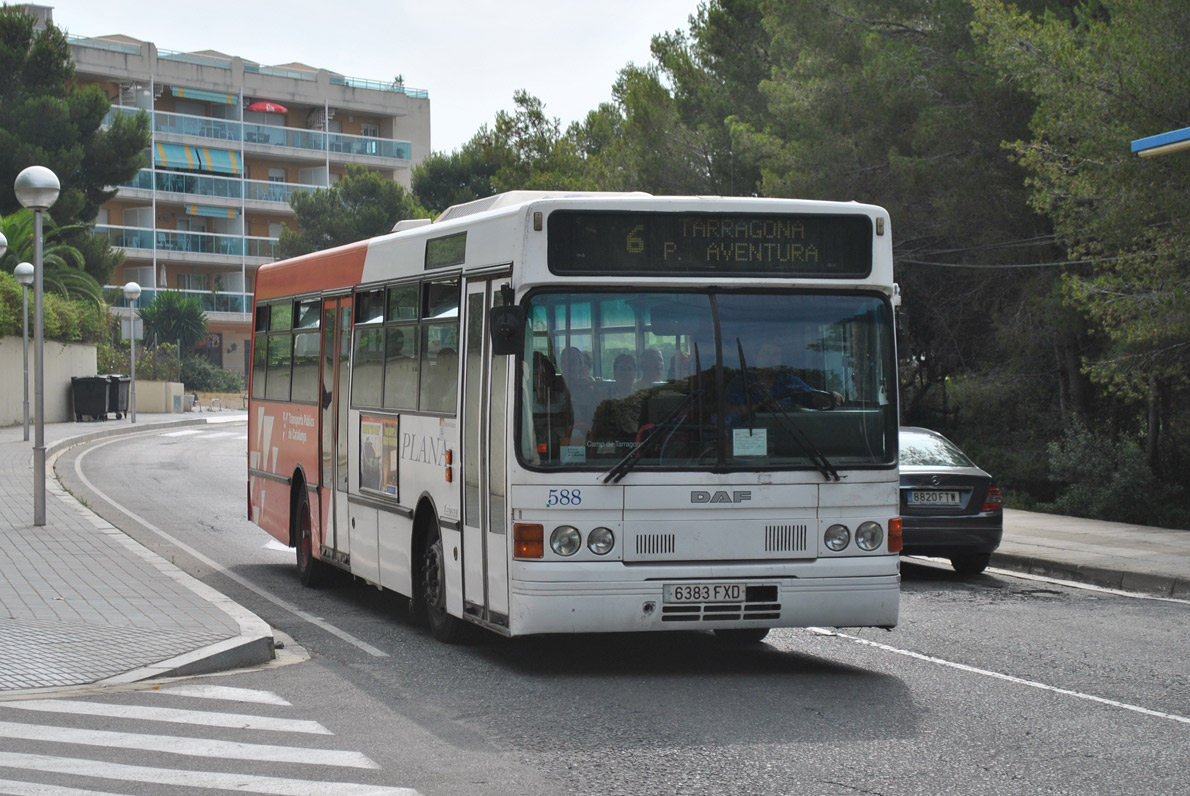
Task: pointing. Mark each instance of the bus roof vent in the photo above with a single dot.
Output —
(409, 223)
(513, 198)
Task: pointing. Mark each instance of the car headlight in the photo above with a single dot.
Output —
(869, 535)
(837, 537)
(566, 540)
(600, 541)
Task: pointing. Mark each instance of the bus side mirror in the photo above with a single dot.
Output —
(507, 329)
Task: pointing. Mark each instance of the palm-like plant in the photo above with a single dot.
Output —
(63, 263)
(174, 317)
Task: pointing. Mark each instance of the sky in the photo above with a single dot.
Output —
(470, 55)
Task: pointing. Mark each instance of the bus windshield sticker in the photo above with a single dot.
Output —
(720, 244)
(446, 251)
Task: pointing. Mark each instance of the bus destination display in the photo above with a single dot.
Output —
(678, 244)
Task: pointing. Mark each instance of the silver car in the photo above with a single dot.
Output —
(950, 508)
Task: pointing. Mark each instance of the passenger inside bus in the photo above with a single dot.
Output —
(584, 390)
(652, 368)
(553, 416)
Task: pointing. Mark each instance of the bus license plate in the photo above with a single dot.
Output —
(704, 592)
(934, 497)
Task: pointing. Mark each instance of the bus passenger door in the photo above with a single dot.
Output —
(336, 348)
(485, 513)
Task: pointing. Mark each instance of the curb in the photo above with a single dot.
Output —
(1105, 577)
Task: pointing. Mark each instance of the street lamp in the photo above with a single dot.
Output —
(24, 275)
(132, 293)
(37, 189)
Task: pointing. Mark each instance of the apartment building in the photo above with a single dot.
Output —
(232, 141)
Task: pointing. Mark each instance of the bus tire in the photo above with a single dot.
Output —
(432, 591)
(742, 636)
(310, 569)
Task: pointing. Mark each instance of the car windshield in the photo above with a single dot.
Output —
(743, 380)
(931, 450)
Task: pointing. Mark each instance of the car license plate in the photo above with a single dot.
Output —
(704, 592)
(934, 497)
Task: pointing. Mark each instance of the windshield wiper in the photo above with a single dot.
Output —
(816, 456)
(668, 424)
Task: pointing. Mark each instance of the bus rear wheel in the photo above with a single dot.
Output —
(310, 569)
(443, 626)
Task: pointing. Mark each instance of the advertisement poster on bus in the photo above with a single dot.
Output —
(379, 453)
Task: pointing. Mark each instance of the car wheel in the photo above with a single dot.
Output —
(971, 563)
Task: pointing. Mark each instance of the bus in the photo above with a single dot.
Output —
(574, 413)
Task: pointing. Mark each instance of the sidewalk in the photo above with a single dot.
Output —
(81, 603)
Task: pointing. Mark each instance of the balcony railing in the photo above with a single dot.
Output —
(174, 242)
(210, 300)
(206, 186)
(226, 132)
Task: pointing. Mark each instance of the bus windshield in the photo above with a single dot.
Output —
(746, 380)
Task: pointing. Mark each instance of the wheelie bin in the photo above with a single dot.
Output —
(90, 397)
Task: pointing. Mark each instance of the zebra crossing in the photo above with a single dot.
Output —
(39, 756)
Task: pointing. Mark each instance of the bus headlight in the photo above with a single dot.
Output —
(601, 540)
(566, 540)
(837, 537)
(869, 535)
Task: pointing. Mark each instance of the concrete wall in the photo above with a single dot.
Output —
(62, 361)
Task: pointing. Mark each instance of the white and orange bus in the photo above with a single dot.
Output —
(563, 413)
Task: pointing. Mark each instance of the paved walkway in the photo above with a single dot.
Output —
(81, 603)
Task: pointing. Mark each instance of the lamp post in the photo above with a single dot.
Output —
(24, 275)
(37, 189)
(132, 293)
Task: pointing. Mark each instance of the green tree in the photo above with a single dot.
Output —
(62, 262)
(46, 119)
(174, 317)
(361, 205)
(1114, 72)
(528, 149)
(462, 176)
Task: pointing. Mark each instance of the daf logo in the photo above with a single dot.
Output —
(720, 496)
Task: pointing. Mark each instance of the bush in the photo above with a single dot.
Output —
(1109, 479)
(153, 363)
(200, 374)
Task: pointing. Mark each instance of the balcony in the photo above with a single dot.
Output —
(259, 136)
(191, 246)
(218, 305)
(230, 189)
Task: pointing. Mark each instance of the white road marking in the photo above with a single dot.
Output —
(198, 717)
(822, 631)
(273, 544)
(11, 787)
(241, 783)
(191, 747)
(186, 432)
(224, 692)
(286, 605)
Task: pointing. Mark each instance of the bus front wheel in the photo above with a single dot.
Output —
(443, 626)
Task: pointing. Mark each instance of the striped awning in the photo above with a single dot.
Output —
(204, 95)
(197, 158)
(213, 212)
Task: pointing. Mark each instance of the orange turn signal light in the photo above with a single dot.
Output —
(894, 535)
(528, 540)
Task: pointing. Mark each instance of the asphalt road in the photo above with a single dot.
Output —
(994, 685)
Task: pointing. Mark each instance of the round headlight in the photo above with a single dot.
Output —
(869, 535)
(837, 537)
(566, 540)
(601, 540)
